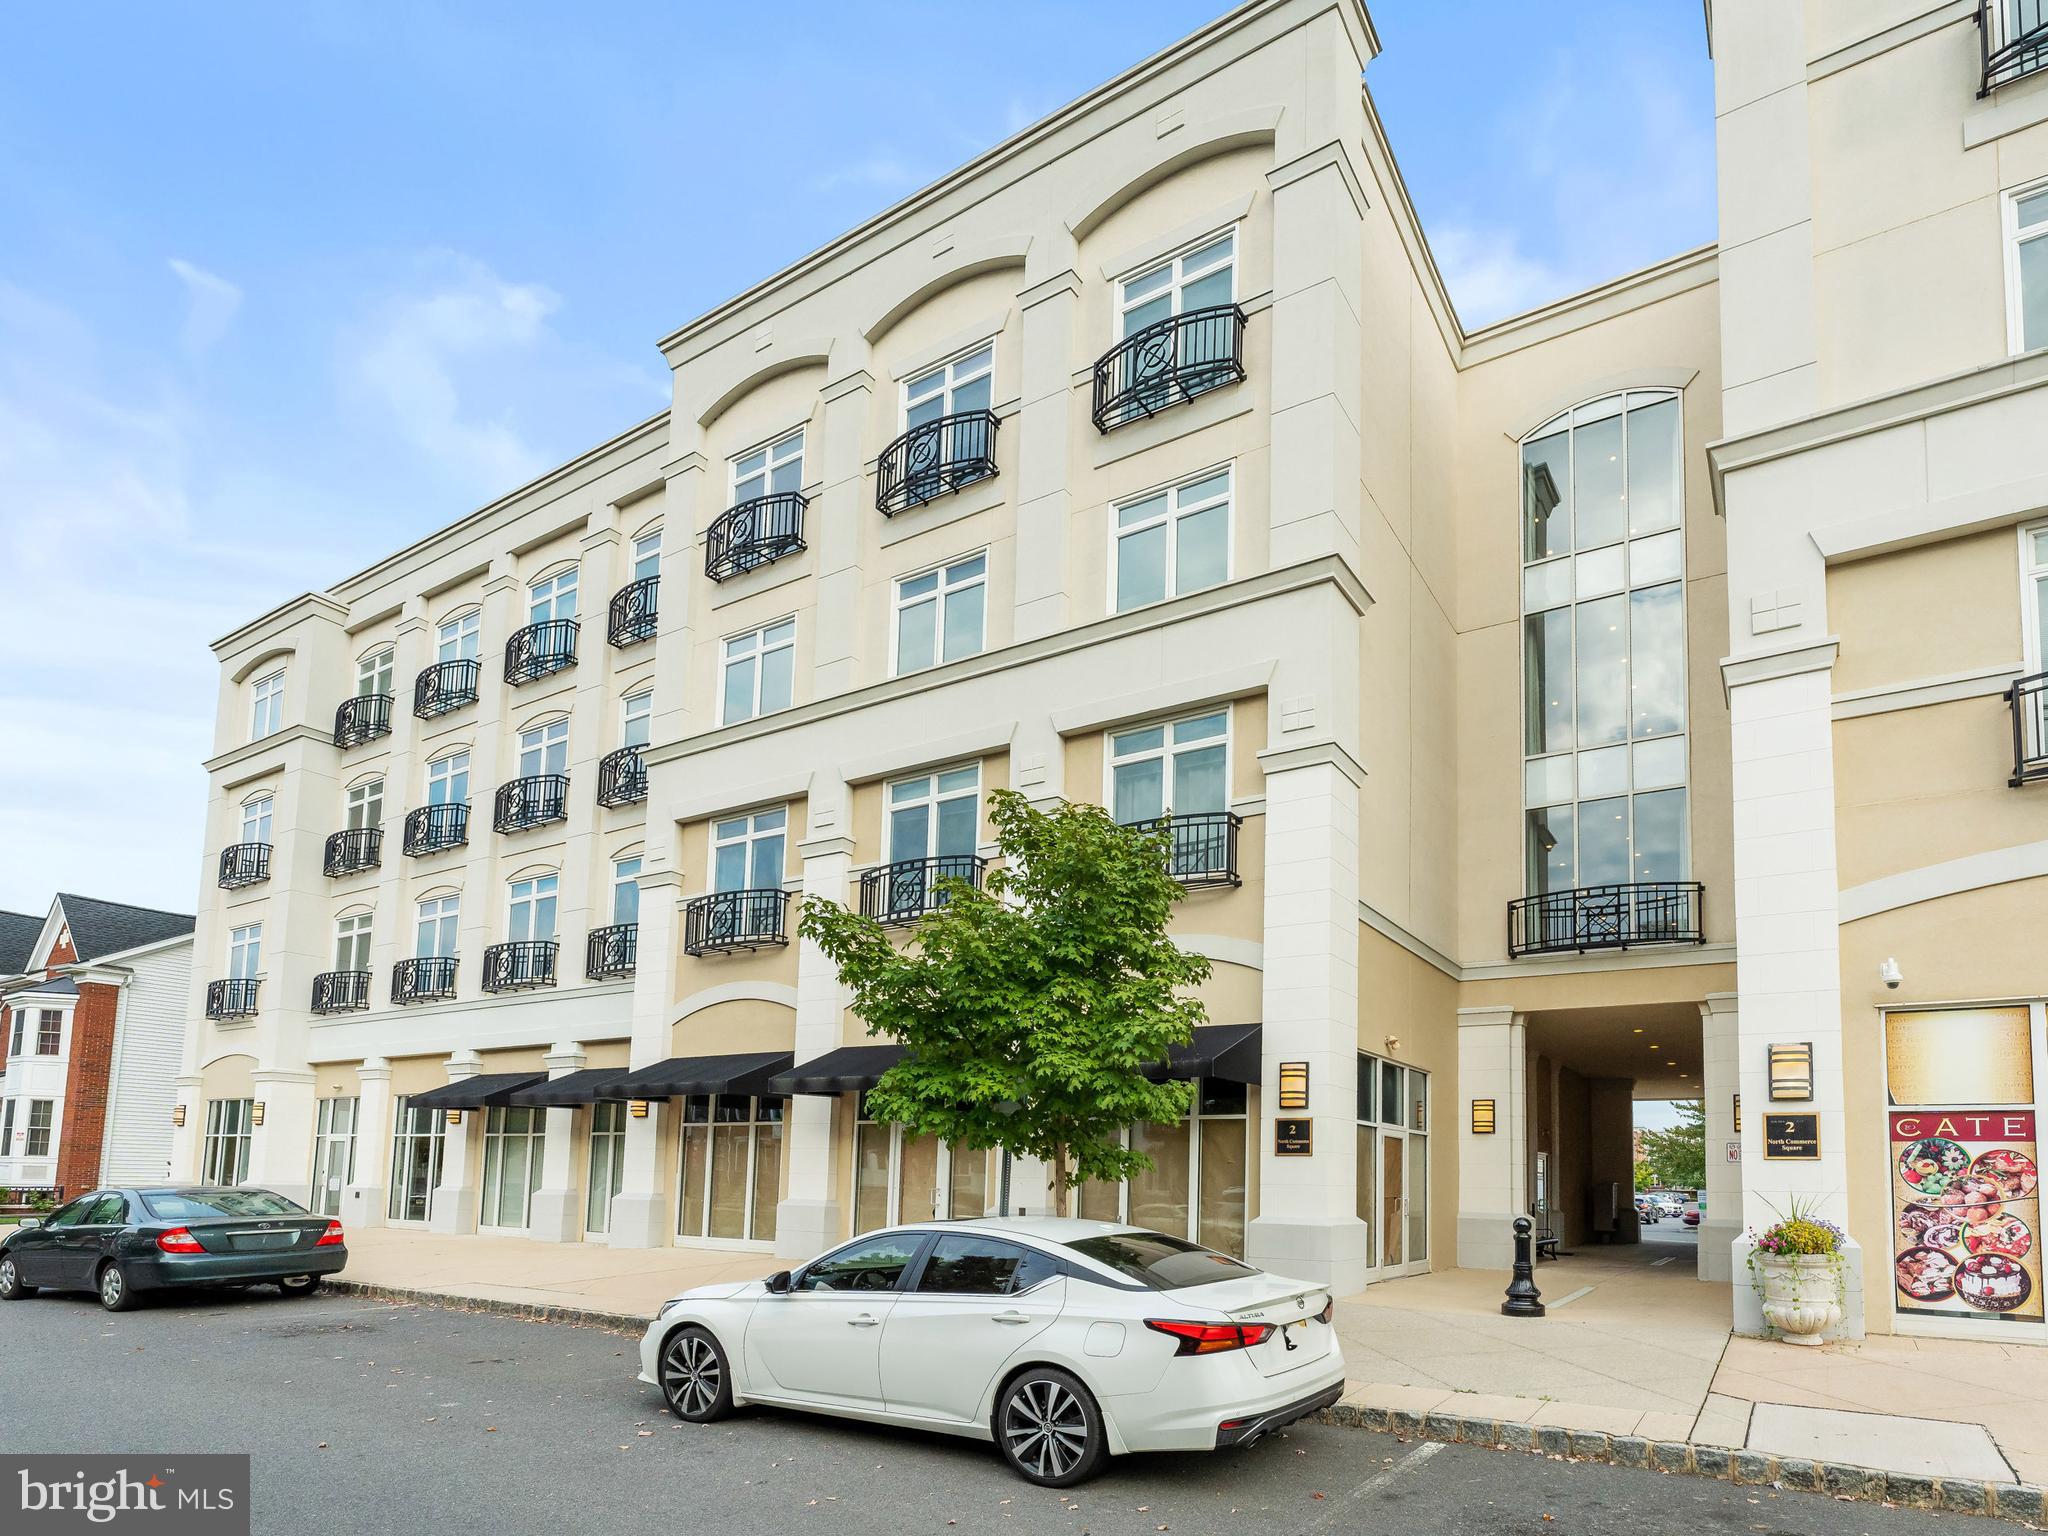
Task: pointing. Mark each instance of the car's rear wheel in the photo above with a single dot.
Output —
(115, 1293)
(694, 1376)
(12, 1286)
(299, 1285)
(1050, 1428)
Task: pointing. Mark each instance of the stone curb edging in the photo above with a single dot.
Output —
(1956, 1495)
(524, 1311)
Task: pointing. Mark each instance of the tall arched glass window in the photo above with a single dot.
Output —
(1603, 646)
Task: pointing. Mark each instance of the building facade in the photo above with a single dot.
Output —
(92, 1024)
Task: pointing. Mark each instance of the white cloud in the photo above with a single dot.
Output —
(210, 305)
(1489, 275)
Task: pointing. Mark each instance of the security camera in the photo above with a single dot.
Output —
(1890, 974)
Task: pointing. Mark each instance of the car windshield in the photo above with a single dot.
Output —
(208, 1204)
(1164, 1263)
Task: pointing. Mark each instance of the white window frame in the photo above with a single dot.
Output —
(444, 908)
(776, 453)
(352, 935)
(753, 834)
(933, 798)
(444, 769)
(758, 653)
(548, 745)
(1194, 1122)
(245, 952)
(1170, 520)
(266, 705)
(636, 709)
(498, 1145)
(363, 804)
(647, 552)
(940, 595)
(951, 382)
(460, 638)
(225, 1147)
(258, 814)
(942, 1172)
(756, 1127)
(552, 597)
(375, 671)
(1177, 283)
(2009, 224)
(2033, 584)
(622, 877)
(536, 893)
(1167, 750)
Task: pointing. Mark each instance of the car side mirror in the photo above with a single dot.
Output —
(28, 1221)
(779, 1283)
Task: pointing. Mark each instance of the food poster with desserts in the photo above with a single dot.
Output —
(1965, 1164)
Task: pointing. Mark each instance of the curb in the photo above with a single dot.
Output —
(523, 1311)
(1953, 1495)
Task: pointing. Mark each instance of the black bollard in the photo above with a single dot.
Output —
(1524, 1300)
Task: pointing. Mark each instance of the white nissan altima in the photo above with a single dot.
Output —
(1062, 1341)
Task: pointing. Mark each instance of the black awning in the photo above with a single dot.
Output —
(570, 1090)
(490, 1088)
(748, 1073)
(1226, 1051)
(850, 1069)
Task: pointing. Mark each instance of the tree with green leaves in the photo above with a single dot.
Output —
(1029, 1010)
(1677, 1158)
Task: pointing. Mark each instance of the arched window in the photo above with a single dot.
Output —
(1603, 645)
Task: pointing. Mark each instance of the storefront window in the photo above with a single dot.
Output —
(513, 1148)
(607, 1163)
(731, 1167)
(415, 1160)
(1198, 1185)
(900, 1177)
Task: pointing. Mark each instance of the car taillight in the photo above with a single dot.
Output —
(180, 1240)
(1211, 1338)
(1329, 1310)
(331, 1236)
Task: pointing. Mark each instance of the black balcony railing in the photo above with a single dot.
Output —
(423, 978)
(633, 612)
(2028, 698)
(531, 802)
(445, 687)
(908, 888)
(735, 920)
(431, 828)
(362, 718)
(354, 849)
(621, 778)
(935, 457)
(1204, 846)
(754, 533)
(612, 951)
(341, 991)
(540, 649)
(522, 963)
(2014, 37)
(244, 864)
(232, 999)
(1607, 917)
(1169, 361)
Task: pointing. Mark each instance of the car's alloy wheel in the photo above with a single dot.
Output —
(10, 1282)
(693, 1377)
(1050, 1429)
(113, 1288)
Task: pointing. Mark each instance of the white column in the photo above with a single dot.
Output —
(363, 1200)
(1721, 1081)
(281, 1148)
(640, 1216)
(1493, 1171)
(556, 1215)
(187, 1139)
(809, 1221)
(453, 1205)
(1044, 429)
(1308, 1224)
(832, 526)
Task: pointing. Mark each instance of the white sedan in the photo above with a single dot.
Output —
(1062, 1341)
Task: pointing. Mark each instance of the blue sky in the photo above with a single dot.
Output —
(282, 287)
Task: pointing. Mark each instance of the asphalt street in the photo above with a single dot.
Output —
(364, 1417)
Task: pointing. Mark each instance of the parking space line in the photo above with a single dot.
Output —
(1344, 1509)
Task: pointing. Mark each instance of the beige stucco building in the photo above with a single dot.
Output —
(1144, 461)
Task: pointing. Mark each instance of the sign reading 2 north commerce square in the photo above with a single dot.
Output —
(1965, 1177)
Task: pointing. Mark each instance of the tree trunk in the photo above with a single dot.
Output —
(1059, 1182)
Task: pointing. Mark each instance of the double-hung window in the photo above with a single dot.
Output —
(936, 815)
(533, 908)
(2026, 268)
(636, 719)
(626, 890)
(352, 942)
(747, 852)
(461, 638)
(1172, 541)
(965, 384)
(256, 815)
(941, 615)
(544, 749)
(245, 952)
(647, 555)
(266, 705)
(365, 804)
(373, 673)
(944, 457)
(20, 1035)
(769, 471)
(49, 1031)
(1179, 768)
(435, 931)
(552, 597)
(759, 672)
(448, 780)
(1194, 279)
(40, 1114)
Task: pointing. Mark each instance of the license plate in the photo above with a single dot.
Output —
(267, 1239)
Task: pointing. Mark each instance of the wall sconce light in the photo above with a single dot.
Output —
(1791, 1072)
(637, 1108)
(177, 1114)
(1294, 1085)
(455, 1117)
(1482, 1117)
(256, 1113)
(1738, 1114)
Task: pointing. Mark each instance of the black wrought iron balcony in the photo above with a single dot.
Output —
(531, 802)
(908, 888)
(519, 964)
(727, 920)
(754, 533)
(445, 687)
(244, 864)
(355, 849)
(612, 951)
(362, 718)
(423, 979)
(621, 778)
(1168, 362)
(1607, 917)
(431, 828)
(633, 612)
(2028, 700)
(1204, 846)
(341, 991)
(231, 999)
(540, 650)
(935, 457)
(2013, 35)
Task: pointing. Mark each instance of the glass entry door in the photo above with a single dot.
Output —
(334, 1154)
(1393, 1166)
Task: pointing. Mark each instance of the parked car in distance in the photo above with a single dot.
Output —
(1648, 1210)
(122, 1243)
(1692, 1216)
(1063, 1341)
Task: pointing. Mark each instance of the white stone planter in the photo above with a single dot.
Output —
(1802, 1295)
